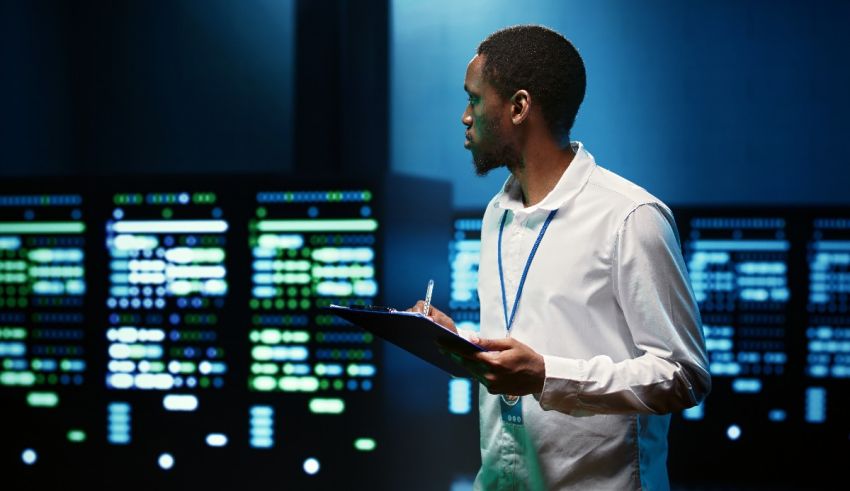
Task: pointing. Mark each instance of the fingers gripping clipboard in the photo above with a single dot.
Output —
(411, 331)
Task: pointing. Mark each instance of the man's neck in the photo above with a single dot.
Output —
(541, 171)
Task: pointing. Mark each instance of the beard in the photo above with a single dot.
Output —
(504, 155)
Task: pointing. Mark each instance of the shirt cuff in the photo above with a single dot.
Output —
(562, 386)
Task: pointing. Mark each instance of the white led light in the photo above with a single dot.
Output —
(166, 461)
(216, 439)
(180, 402)
(170, 226)
(311, 466)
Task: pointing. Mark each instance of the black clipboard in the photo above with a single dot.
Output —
(411, 331)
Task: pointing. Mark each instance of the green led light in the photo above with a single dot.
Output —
(264, 383)
(57, 271)
(261, 353)
(365, 444)
(13, 278)
(204, 198)
(76, 436)
(264, 368)
(13, 333)
(295, 336)
(42, 227)
(43, 399)
(327, 406)
(298, 384)
(348, 225)
(13, 265)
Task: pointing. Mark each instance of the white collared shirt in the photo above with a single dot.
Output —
(608, 303)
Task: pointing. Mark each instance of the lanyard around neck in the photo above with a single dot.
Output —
(509, 321)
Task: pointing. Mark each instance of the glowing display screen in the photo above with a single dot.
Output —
(45, 333)
(464, 256)
(739, 273)
(42, 291)
(311, 250)
(167, 287)
(828, 326)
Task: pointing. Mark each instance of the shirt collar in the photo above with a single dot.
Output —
(568, 186)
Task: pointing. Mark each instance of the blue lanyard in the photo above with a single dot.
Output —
(509, 321)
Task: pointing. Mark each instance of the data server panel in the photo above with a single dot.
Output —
(827, 328)
(44, 330)
(314, 378)
(464, 307)
(167, 331)
(739, 268)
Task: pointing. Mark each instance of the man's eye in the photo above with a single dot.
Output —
(472, 100)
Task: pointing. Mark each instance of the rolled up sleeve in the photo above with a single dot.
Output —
(669, 370)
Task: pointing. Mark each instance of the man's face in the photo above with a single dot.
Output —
(488, 123)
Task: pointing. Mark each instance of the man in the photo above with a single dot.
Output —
(592, 330)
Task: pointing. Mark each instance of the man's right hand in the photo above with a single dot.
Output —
(436, 315)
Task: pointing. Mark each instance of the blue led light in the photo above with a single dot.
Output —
(733, 432)
(261, 430)
(118, 423)
(815, 405)
(460, 396)
(41, 200)
(29, 456)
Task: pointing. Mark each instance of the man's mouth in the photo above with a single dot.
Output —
(468, 141)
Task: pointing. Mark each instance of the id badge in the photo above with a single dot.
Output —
(511, 409)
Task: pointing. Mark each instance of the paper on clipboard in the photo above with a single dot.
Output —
(413, 332)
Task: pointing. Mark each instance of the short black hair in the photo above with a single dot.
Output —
(542, 62)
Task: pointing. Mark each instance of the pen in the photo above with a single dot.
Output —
(428, 292)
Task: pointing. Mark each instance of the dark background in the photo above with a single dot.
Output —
(703, 103)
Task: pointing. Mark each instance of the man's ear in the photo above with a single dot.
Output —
(520, 106)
